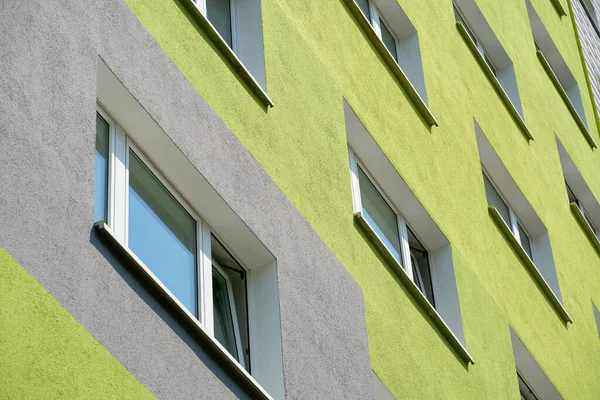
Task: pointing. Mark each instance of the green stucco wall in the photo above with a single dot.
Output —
(45, 353)
(316, 55)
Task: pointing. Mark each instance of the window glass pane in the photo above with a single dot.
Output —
(224, 331)
(388, 39)
(162, 234)
(420, 264)
(525, 241)
(364, 7)
(236, 277)
(495, 200)
(381, 217)
(219, 15)
(101, 188)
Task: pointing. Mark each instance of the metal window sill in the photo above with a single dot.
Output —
(188, 321)
(495, 83)
(566, 99)
(392, 65)
(228, 53)
(559, 8)
(504, 228)
(444, 329)
(585, 226)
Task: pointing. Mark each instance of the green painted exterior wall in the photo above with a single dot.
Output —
(316, 55)
(45, 353)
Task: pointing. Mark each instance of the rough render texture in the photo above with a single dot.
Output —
(590, 44)
(315, 55)
(45, 353)
(48, 56)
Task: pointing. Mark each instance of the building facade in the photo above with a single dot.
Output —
(334, 199)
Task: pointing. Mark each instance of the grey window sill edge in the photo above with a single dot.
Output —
(228, 53)
(585, 226)
(169, 301)
(494, 81)
(566, 100)
(393, 66)
(530, 265)
(560, 9)
(416, 293)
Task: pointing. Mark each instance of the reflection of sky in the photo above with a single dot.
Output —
(100, 190)
(156, 245)
(381, 236)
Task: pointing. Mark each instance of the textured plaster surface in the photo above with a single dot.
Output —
(45, 353)
(48, 57)
(315, 55)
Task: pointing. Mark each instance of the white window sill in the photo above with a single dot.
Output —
(409, 89)
(494, 81)
(585, 226)
(228, 53)
(566, 99)
(505, 229)
(458, 347)
(167, 299)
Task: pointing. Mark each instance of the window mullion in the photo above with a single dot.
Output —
(205, 292)
(356, 200)
(405, 247)
(201, 4)
(514, 224)
(119, 184)
(234, 30)
(375, 21)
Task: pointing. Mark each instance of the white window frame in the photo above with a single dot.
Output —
(405, 256)
(513, 224)
(236, 325)
(120, 144)
(376, 17)
(201, 5)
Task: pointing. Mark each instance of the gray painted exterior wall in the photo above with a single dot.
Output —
(48, 59)
(590, 44)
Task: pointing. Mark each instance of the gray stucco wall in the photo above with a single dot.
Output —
(48, 57)
(590, 44)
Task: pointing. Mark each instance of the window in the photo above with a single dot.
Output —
(398, 35)
(491, 53)
(393, 220)
(518, 222)
(531, 382)
(239, 24)
(558, 71)
(509, 216)
(574, 199)
(390, 227)
(172, 241)
(525, 390)
(579, 193)
(234, 317)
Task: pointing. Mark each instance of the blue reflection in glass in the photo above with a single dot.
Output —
(162, 234)
(101, 188)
